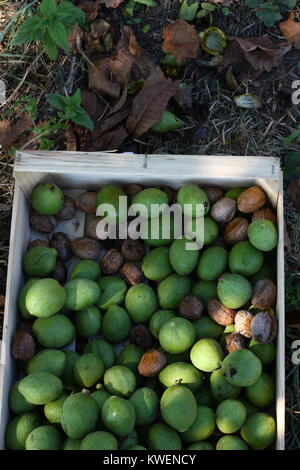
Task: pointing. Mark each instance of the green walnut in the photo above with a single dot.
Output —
(112, 291)
(71, 444)
(47, 199)
(67, 377)
(40, 261)
(43, 438)
(120, 380)
(205, 291)
(207, 328)
(47, 360)
(220, 388)
(88, 322)
(230, 416)
(234, 290)
(172, 290)
(19, 429)
(160, 232)
(210, 230)
(182, 259)
(259, 431)
(17, 403)
(86, 269)
(181, 373)
(79, 415)
(40, 388)
(231, 443)
(99, 440)
(111, 194)
(81, 294)
(45, 298)
(130, 357)
(116, 324)
(88, 370)
(207, 355)
(118, 416)
(146, 405)
(140, 302)
(191, 196)
(177, 335)
(156, 264)
(181, 399)
(100, 396)
(53, 410)
(22, 297)
(103, 349)
(162, 437)
(158, 319)
(212, 263)
(241, 368)
(263, 235)
(150, 199)
(245, 259)
(203, 426)
(54, 332)
(262, 393)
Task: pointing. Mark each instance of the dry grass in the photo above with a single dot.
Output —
(216, 125)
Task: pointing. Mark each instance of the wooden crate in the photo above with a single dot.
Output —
(88, 171)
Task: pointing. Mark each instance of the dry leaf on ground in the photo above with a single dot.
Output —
(70, 138)
(293, 192)
(182, 40)
(258, 54)
(90, 8)
(110, 140)
(148, 105)
(11, 132)
(291, 30)
(100, 77)
(107, 127)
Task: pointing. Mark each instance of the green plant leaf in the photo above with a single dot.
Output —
(208, 6)
(269, 14)
(29, 31)
(129, 7)
(76, 98)
(84, 120)
(70, 14)
(48, 7)
(253, 3)
(49, 46)
(188, 11)
(294, 137)
(291, 166)
(57, 101)
(58, 33)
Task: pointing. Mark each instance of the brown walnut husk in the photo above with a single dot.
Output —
(223, 210)
(86, 248)
(151, 363)
(68, 209)
(42, 223)
(23, 346)
(219, 313)
(264, 327)
(86, 202)
(265, 213)
(264, 294)
(133, 250)
(60, 272)
(62, 243)
(91, 228)
(236, 230)
(191, 307)
(235, 341)
(132, 273)
(37, 242)
(111, 261)
(251, 199)
(141, 336)
(242, 323)
(213, 193)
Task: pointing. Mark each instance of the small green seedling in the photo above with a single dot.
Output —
(52, 25)
(70, 109)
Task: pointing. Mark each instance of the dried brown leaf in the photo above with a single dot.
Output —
(112, 3)
(11, 132)
(254, 54)
(293, 192)
(70, 137)
(291, 30)
(182, 40)
(90, 8)
(100, 78)
(148, 105)
(110, 140)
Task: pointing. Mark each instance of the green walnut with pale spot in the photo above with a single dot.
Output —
(45, 298)
(88, 370)
(81, 294)
(140, 302)
(40, 388)
(241, 368)
(234, 290)
(47, 199)
(263, 235)
(112, 291)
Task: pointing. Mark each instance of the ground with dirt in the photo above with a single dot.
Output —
(211, 123)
